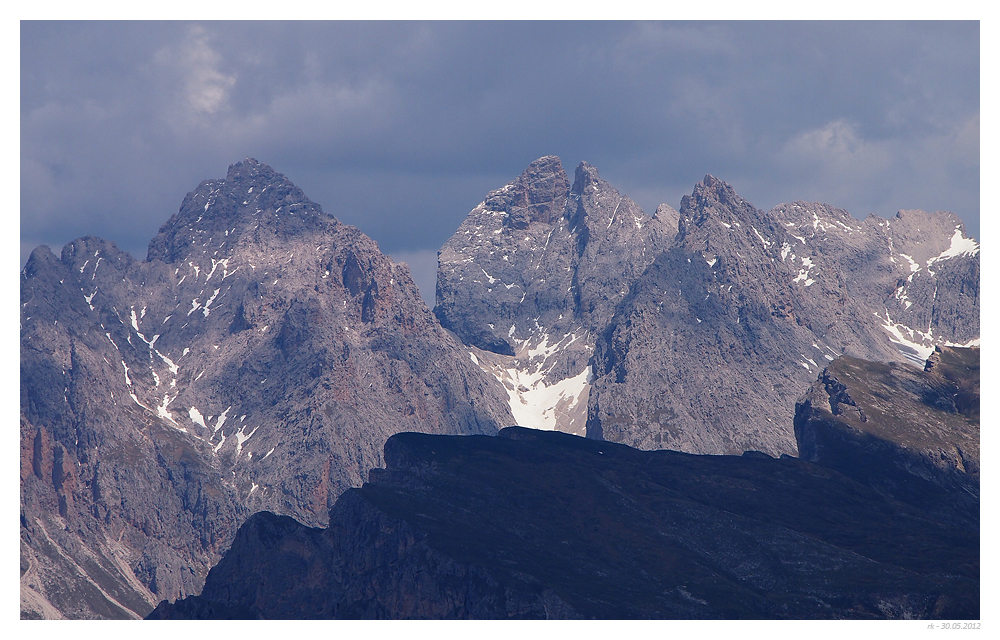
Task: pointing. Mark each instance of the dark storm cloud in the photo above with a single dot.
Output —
(402, 128)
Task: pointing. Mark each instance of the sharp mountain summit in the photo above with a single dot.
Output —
(267, 359)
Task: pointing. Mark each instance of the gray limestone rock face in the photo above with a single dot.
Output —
(672, 312)
(774, 295)
(535, 272)
(257, 359)
(710, 349)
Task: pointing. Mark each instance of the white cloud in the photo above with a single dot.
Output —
(206, 87)
(838, 165)
(837, 148)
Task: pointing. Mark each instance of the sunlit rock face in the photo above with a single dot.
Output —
(534, 274)
(263, 352)
(715, 342)
(257, 359)
(693, 330)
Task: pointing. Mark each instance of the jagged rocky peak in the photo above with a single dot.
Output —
(586, 177)
(539, 253)
(615, 241)
(780, 294)
(534, 271)
(257, 359)
(713, 203)
(538, 194)
(594, 195)
(251, 197)
(710, 188)
(706, 196)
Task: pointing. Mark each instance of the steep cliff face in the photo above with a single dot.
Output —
(535, 524)
(117, 505)
(908, 433)
(263, 352)
(257, 359)
(532, 276)
(776, 295)
(654, 322)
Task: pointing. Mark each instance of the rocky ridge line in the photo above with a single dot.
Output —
(257, 359)
(534, 273)
(654, 321)
(891, 426)
(534, 524)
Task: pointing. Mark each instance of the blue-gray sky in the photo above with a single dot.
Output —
(401, 128)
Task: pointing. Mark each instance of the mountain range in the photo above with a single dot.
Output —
(650, 322)
(262, 355)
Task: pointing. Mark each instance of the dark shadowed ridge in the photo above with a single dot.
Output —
(537, 524)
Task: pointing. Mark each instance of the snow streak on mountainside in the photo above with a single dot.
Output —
(534, 273)
(258, 359)
(262, 354)
(702, 326)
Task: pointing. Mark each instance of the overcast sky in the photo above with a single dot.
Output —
(402, 128)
